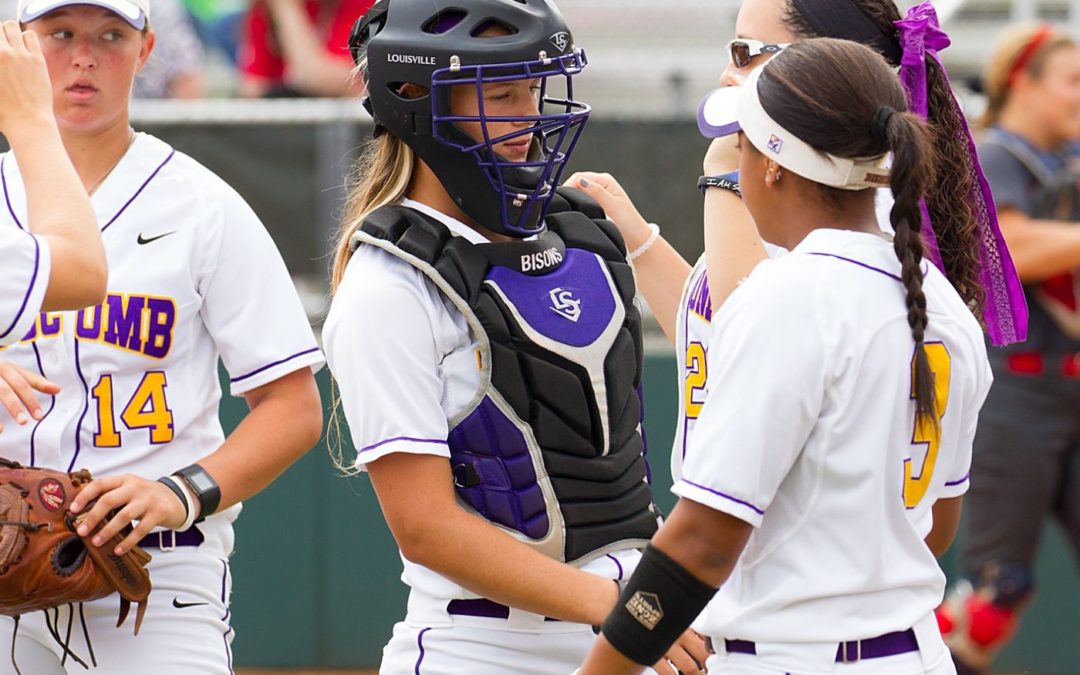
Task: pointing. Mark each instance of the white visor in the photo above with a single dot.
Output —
(732, 109)
(135, 12)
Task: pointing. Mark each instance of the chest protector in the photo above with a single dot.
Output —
(550, 448)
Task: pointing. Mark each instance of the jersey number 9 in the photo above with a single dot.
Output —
(928, 432)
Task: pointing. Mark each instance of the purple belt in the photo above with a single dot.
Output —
(481, 607)
(167, 540)
(889, 644)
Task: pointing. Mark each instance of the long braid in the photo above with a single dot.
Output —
(950, 211)
(801, 90)
(907, 138)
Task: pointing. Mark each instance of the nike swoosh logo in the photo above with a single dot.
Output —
(181, 605)
(147, 240)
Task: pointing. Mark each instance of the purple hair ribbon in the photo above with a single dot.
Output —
(1005, 314)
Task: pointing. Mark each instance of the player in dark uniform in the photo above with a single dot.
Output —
(1026, 464)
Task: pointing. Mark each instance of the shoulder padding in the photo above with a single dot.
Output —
(570, 201)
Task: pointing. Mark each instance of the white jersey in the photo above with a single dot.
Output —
(807, 434)
(391, 337)
(193, 275)
(24, 278)
(693, 322)
(693, 326)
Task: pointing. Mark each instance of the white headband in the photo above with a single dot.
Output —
(723, 113)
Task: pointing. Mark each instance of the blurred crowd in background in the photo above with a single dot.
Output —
(247, 48)
(298, 48)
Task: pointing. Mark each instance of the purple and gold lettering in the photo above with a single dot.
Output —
(51, 324)
(88, 323)
(699, 302)
(162, 319)
(124, 317)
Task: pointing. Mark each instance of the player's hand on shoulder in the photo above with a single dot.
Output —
(616, 203)
(132, 498)
(25, 91)
(686, 656)
(17, 387)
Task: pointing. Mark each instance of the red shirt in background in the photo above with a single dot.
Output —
(260, 56)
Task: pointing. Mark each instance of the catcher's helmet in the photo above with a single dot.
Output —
(437, 44)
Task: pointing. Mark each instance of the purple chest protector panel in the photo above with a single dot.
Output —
(571, 305)
(493, 471)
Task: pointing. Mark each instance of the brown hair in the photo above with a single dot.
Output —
(830, 94)
(380, 176)
(950, 211)
(1022, 49)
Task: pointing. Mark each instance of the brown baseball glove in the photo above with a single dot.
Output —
(44, 563)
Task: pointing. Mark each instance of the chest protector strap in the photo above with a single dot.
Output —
(550, 448)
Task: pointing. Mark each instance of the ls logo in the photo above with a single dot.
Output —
(561, 40)
(565, 304)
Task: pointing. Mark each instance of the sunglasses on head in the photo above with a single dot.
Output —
(743, 50)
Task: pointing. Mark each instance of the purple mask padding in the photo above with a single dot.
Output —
(1005, 314)
(447, 20)
(507, 491)
(549, 303)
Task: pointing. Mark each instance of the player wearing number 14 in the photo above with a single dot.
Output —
(193, 278)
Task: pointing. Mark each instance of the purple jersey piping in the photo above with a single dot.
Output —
(618, 565)
(140, 190)
(29, 289)
(439, 441)
(7, 197)
(225, 602)
(37, 247)
(925, 268)
(86, 407)
(728, 497)
(52, 404)
(275, 363)
(420, 644)
(959, 481)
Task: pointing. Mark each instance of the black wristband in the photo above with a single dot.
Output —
(728, 181)
(204, 487)
(660, 602)
(179, 494)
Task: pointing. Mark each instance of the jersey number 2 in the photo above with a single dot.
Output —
(147, 409)
(696, 377)
(926, 433)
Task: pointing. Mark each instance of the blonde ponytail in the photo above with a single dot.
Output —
(382, 177)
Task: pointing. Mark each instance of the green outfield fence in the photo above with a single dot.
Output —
(316, 572)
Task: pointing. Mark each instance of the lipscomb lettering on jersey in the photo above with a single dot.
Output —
(411, 59)
(143, 324)
(534, 262)
(698, 302)
(645, 607)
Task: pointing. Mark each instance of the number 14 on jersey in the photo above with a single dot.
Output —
(147, 409)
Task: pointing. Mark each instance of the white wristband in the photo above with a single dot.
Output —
(647, 244)
(189, 503)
